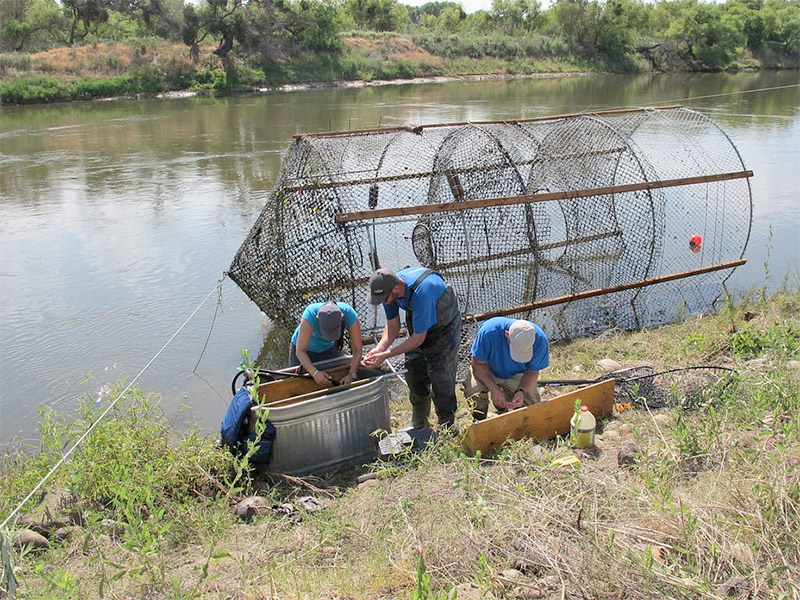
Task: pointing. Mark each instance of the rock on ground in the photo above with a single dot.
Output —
(28, 537)
(250, 507)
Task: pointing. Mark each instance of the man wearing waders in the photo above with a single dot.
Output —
(434, 332)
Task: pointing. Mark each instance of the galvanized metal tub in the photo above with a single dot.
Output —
(320, 434)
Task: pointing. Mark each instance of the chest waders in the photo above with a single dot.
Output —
(432, 366)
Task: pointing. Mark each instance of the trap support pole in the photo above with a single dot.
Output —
(601, 291)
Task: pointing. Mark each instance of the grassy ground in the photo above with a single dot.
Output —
(708, 507)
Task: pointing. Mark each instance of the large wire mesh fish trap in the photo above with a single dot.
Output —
(578, 222)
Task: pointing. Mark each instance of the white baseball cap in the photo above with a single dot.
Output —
(521, 336)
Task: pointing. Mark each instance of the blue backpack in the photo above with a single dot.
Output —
(234, 430)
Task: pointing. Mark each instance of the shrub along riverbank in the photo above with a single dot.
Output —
(698, 499)
(227, 45)
(153, 66)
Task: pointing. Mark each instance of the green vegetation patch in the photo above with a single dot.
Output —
(34, 90)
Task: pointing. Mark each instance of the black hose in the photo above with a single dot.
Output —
(557, 382)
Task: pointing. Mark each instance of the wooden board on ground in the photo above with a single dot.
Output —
(541, 421)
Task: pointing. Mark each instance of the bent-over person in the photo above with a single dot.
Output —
(507, 355)
(433, 321)
(320, 336)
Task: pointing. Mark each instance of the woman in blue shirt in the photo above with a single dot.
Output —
(319, 337)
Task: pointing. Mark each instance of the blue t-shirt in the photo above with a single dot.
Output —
(423, 302)
(317, 343)
(491, 346)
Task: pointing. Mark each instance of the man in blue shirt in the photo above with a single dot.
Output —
(319, 337)
(507, 355)
(433, 321)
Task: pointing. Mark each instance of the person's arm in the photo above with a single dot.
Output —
(408, 344)
(526, 383)
(483, 374)
(301, 349)
(356, 347)
(379, 353)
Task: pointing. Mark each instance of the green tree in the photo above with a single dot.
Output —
(782, 25)
(418, 13)
(118, 27)
(379, 15)
(85, 15)
(710, 34)
(313, 25)
(616, 28)
(751, 17)
(28, 25)
(451, 18)
(576, 21)
(159, 17)
(516, 16)
(222, 20)
(479, 23)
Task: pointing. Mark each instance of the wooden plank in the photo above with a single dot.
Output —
(285, 388)
(601, 291)
(541, 421)
(442, 207)
(316, 394)
(272, 391)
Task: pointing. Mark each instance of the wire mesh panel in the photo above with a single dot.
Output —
(579, 222)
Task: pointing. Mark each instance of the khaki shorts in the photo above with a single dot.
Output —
(477, 392)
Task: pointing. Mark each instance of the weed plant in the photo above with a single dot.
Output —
(709, 507)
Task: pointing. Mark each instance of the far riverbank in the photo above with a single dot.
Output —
(160, 68)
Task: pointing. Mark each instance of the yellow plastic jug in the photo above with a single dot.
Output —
(582, 426)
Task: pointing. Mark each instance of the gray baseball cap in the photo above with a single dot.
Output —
(329, 317)
(380, 286)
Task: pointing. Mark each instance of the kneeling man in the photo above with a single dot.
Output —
(507, 355)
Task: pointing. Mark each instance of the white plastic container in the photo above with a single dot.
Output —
(582, 426)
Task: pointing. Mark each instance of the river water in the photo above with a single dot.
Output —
(120, 216)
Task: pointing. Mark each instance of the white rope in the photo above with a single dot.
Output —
(769, 89)
(67, 454)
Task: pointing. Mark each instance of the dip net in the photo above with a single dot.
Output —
(582, 222)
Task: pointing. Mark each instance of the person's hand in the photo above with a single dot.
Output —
(499, 399)
(517, 400)
(322, 378)
(347, 380)
(374, 359)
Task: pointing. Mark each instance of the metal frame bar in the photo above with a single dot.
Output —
(426, 209)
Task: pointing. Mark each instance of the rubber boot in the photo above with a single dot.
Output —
(419, 415)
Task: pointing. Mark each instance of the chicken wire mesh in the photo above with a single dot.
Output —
(579, 222)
